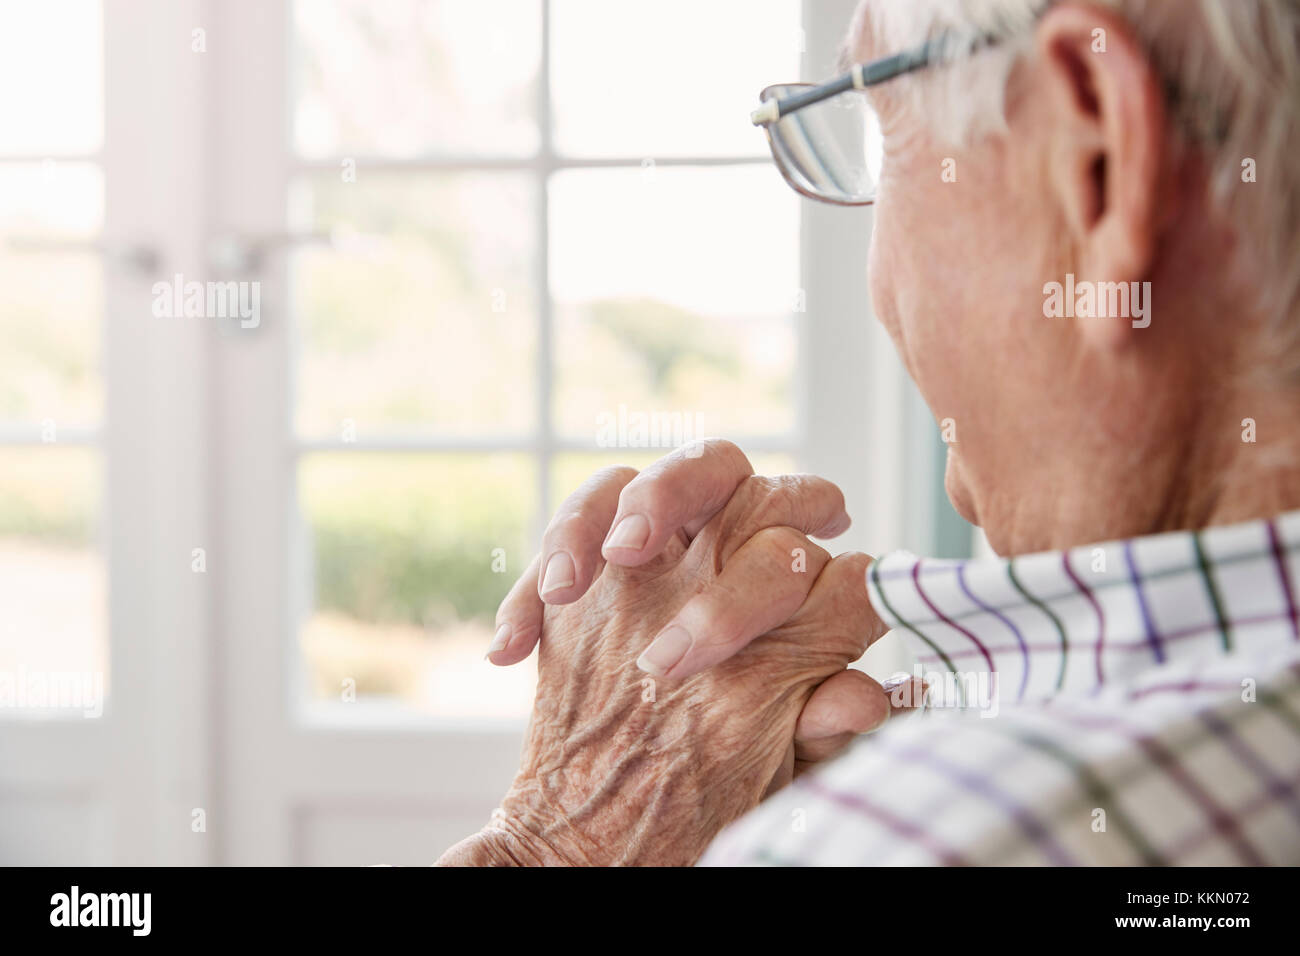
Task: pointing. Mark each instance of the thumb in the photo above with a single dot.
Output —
(842, 707)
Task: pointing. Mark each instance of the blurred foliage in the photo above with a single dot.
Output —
(50, 326)
(663, 335)
(49, 492)
(427, 288)
(410, 538)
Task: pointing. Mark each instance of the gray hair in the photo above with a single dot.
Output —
(1233, 71)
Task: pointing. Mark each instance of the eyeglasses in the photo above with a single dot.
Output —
(828, 146)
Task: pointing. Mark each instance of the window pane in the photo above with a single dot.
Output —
(50, 326)
(401, 78)
(53, 633)
(51, 78)
(423, 315)
(51, 199)
(675, 293)
(50, 323)
(400, 552)
(674, 77)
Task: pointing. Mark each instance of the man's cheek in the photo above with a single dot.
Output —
(879, 283)
(957, 489)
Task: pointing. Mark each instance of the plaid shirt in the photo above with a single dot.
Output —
(1136, 702)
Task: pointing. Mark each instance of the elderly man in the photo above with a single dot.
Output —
(1086, 251)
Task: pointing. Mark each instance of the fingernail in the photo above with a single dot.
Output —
(559, 573)
(632, 532)
(499, 641)
(665, 651)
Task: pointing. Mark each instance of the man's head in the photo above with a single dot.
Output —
(1086, 250)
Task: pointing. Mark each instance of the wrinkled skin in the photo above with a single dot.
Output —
(620, 768)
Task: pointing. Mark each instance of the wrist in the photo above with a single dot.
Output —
(506, 842)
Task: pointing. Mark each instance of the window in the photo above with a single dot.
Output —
(53, 629)
(531, 247)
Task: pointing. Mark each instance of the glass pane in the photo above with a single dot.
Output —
(53, 629)
(674, 77)
(408, 557)
(53, 301)
(51, 199)
(423, 314)
(676, 292)
(51, 78)
(402, 78)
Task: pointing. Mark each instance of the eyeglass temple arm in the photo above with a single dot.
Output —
(860, 77)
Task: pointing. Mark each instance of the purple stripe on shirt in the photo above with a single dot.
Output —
(1143, 645)
(1278, 786)
(904, 828)
(1220, 820)
(1096, 606)
(1279, 558)
(1020, 638)
(1184, 687)
(1153, 639)
(1261, 801)
(980, 784)
(916, 580)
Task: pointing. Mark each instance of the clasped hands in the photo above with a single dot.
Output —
(694, 652)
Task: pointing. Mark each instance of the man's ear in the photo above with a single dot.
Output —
(1108, 143)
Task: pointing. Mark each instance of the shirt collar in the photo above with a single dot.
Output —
(1070, 621)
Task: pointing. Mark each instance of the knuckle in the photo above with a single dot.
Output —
(849, 568)
(778, 544)
(715, 455)
(581, 497)
(788, 500)
(725, 450)
(613, 473)
(757, 500)
(779, 503)
(814, 485)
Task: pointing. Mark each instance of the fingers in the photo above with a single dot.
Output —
(806, 503)
(843, 706)
(846, 705)
(569, 560)
(839, 595)
(763, 584)
(571, 546)
(679, 492)
(519, 620)
(685, 490)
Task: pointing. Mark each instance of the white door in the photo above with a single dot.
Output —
(103, 473)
